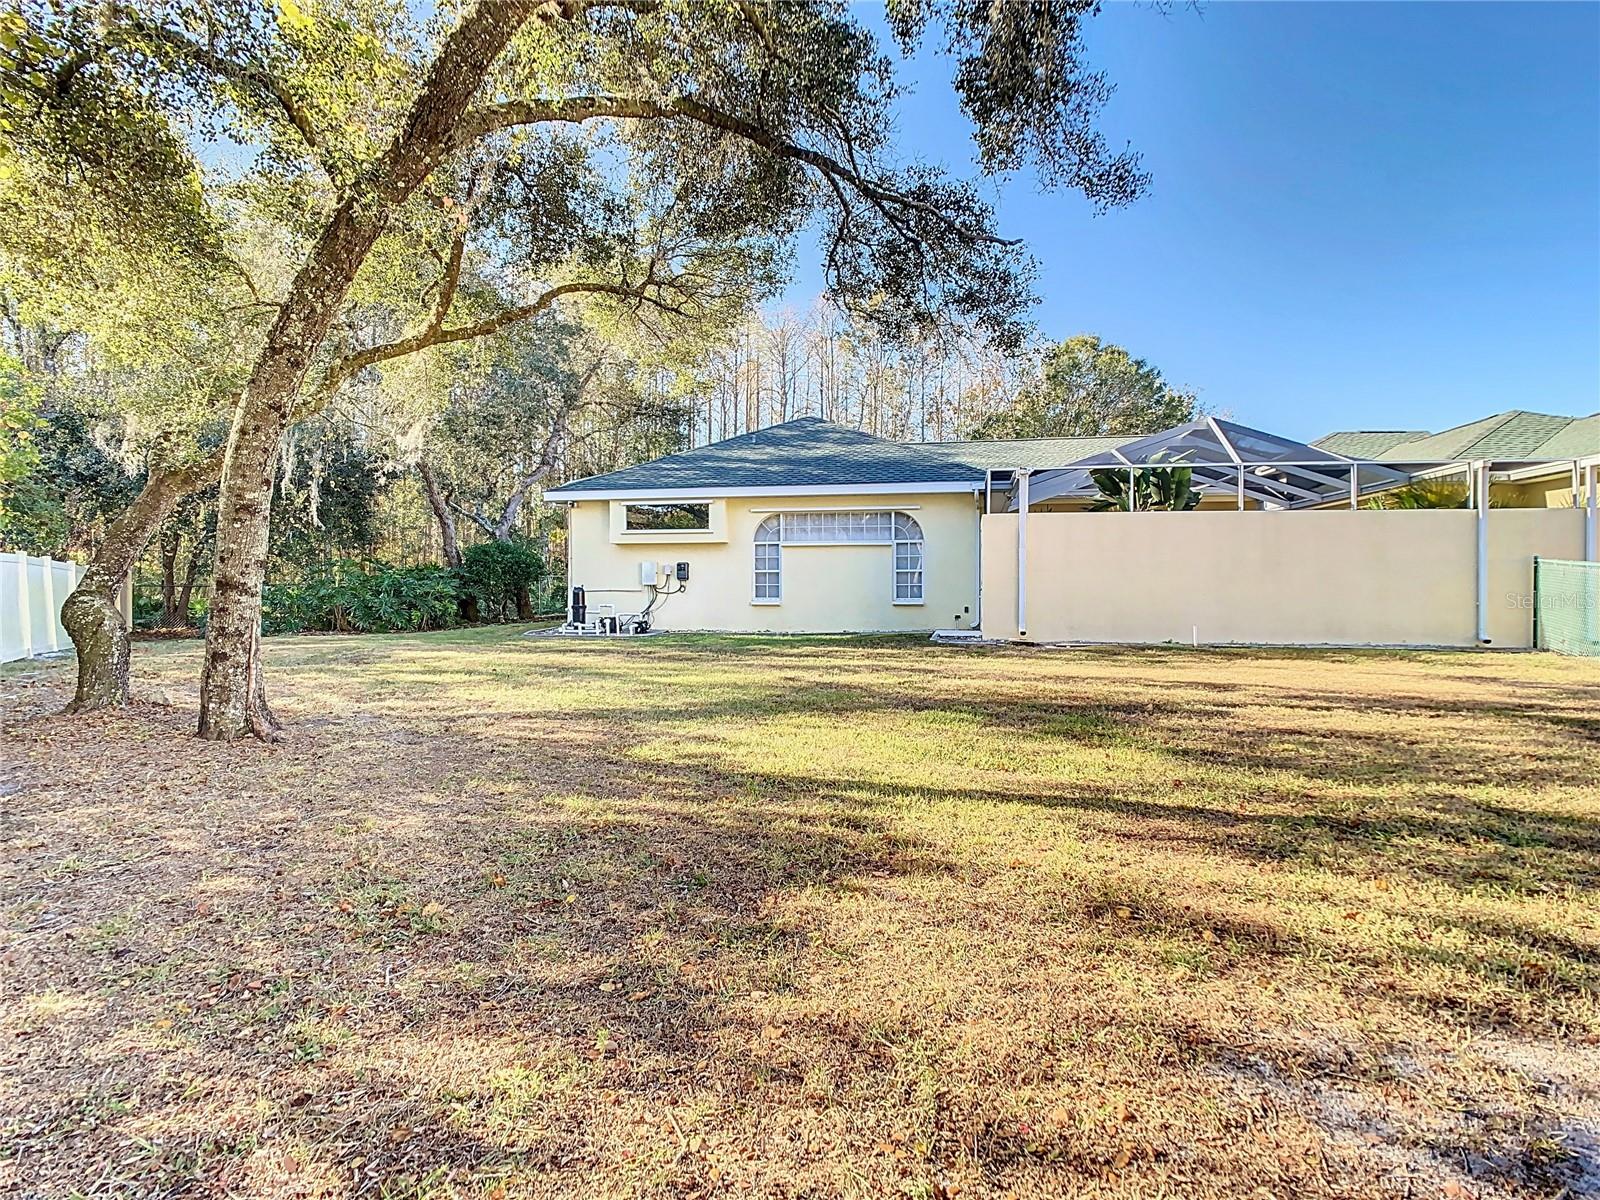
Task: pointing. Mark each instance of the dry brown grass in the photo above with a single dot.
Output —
(807, 918)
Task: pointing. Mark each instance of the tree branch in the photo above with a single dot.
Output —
(252, 77)
(548, 453)
(495, 118)
(436, 335)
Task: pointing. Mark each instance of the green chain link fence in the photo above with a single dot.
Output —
(1566, 606)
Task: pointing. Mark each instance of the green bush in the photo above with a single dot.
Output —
(503, 577)
(355, 597)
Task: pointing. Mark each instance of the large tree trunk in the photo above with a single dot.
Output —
(467, 603)
(90, 615)
(232, 690)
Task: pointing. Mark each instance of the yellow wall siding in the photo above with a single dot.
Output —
(1552, 491)
(825, 588)
(1297, 578)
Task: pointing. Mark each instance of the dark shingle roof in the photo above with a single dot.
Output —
(811, 452)
(804, 452)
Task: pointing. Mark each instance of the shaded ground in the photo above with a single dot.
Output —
(815, 917)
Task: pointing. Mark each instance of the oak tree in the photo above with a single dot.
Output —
(549, 138)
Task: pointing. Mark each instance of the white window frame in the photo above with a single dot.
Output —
(921, 569)
(778, 524)
(757, 572)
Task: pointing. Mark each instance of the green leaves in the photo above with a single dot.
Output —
(367, 598)
(1088, 388)
(1152, 488)
(498, 573)
(19, 421)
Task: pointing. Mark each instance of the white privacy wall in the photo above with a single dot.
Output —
(31, 594)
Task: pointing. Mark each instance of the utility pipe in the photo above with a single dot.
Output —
(1480, 476)
(1022, 551)
(1591, 517)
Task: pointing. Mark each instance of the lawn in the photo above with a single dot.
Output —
(816, 917)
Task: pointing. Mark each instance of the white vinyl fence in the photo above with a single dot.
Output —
(32, 591)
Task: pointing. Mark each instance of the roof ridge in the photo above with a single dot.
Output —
(1053, 437)
(1506, 417)
(1337, 432)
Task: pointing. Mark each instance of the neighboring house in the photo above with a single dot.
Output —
(1540, 438)
(813, 527)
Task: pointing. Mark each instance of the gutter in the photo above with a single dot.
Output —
(645, 495)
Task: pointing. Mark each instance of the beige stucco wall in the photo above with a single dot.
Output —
(825, 588)
(1552, 491)
(1288, 578)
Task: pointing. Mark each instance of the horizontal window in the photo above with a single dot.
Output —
(798, 528)
(652, 518)
(897, 530)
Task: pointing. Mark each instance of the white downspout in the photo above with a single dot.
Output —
(1480, 476)
(977, 584)
(1591, 517)
(1022, 551)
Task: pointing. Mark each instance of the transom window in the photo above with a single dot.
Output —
(896, 529)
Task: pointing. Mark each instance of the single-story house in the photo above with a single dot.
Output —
(1547, 443)
(805, 527)
(809, 526)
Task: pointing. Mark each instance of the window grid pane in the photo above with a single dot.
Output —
(768, 561)
(862, 528)
(866, 527)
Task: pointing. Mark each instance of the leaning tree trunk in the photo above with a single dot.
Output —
(441, 513)
(232, 690)
(466, 603)
(91, 616)
(171, 543)
(190, 574)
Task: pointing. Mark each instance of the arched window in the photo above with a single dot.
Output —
(897, 530)
(907, 560)
(769, 560)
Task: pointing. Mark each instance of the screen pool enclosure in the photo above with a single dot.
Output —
(1233, 461)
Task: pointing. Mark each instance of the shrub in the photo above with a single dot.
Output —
(349, 596)
(502, 577)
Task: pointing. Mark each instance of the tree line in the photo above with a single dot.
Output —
(226, 220)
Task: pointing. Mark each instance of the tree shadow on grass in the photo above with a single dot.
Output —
(300, 959)
(416, 949)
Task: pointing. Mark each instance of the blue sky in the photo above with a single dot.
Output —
(1362, 215)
